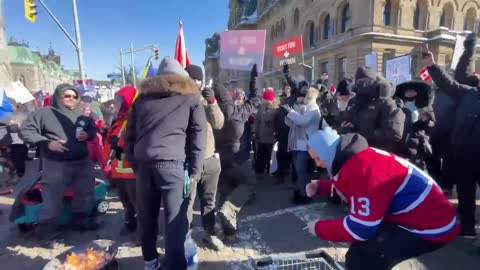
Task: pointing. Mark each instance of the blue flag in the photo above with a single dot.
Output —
(6, 107)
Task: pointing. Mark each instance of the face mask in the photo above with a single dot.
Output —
(342, 105)
(415, 114)
(410, 99)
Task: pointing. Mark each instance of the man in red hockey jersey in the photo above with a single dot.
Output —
(397, 211)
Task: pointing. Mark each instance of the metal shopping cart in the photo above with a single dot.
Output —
(300, 261)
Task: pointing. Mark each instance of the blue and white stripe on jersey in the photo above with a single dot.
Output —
(415, 188)
(433, 233)
(359, 229)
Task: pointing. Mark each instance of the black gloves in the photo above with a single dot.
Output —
(470, 41)
(208, 94)
(254, 72)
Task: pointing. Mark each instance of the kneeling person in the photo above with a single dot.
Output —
(397, 211)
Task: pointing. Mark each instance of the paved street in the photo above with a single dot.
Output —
(271, 226)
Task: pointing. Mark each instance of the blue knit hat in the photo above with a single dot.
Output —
(324, 142)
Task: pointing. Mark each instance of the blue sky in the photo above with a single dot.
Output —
(108, 25)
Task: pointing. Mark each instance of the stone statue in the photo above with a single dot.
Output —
(212, 44)
(249, 7)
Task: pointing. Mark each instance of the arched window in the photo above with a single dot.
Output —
(470, 19)
(327, 27)
(420, 17)
(446, 20)
(278, 30)
(272, 33)
(21, 78)
(283, 26)
(346, 18)
(296, 17)
(310, 34)
(387, 13)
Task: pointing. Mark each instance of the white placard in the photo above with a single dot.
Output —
(458, 50)
(19, 92)
(398, 69)
(371, 61)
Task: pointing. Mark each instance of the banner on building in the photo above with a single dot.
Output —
(458, 51)
(86, 87)
(371, 61)
(240, 50)
(288, 52)
(398, 69)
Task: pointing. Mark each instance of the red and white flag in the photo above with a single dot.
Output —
(181, 54)
(425, 75)
(333, 89)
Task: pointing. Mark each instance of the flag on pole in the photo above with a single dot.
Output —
(181, 54)
(6, 107)
(424, 75)
(149, 71)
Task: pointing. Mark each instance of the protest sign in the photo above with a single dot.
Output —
(458, 51)
(19, 93)
(371, 61)
(240, 50)
(398, 69)
(86, 87)
(288, 52)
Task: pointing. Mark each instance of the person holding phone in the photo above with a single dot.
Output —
(61, 131)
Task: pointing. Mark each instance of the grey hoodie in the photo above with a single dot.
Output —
(57, 123)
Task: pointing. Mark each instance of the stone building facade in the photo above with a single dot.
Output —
(5, 69)
(36, 71)
(337, 34)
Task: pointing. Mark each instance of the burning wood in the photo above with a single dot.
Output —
(90, 260)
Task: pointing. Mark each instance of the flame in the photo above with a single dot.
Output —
(91, 260)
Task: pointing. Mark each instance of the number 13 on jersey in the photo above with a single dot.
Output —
(360, 206)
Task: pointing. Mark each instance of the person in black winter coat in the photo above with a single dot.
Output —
(416, 97)
(166, 138)
(464, 143)
(237, 177)
(373, 112)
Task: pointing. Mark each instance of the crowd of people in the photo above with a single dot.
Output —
(383, 149)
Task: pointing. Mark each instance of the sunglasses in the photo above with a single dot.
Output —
(70, 96)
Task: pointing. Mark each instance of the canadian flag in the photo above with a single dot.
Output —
(425, 75)
(333, 89)
(181, 54)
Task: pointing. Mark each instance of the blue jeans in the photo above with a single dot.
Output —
(160, 183)
(300, 160)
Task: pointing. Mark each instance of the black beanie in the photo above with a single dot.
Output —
(365, 72)
(345, 87)
(195, 72)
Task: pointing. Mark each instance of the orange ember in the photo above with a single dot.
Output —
(91, 260)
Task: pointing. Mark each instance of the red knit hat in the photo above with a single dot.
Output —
(269, 94)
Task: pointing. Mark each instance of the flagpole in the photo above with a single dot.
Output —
(133, 65)
(147, 67)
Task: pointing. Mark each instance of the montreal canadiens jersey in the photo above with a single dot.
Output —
(383, 188)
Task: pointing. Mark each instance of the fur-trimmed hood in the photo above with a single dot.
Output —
(311, 97)
(425, 93)
(169, 85)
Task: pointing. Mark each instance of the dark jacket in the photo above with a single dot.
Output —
(415, 144)
(228, 139)
(57, 123)
(465, 143)
(444, 109)
(264, 125)
(461, 70)
(167, 122)
(380, 121)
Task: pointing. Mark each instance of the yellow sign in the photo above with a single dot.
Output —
(31, 10)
